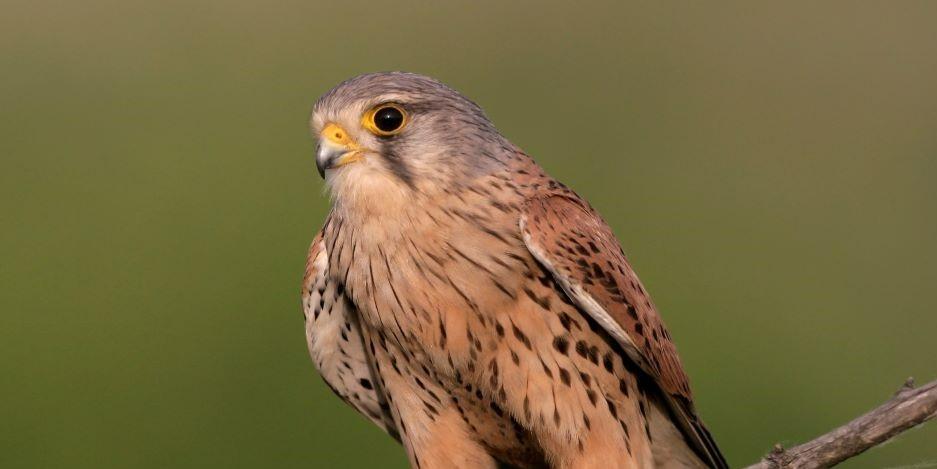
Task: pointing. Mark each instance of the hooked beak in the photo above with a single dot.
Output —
(336, 148)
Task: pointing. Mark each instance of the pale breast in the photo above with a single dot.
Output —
(334, 339)
(429, 276)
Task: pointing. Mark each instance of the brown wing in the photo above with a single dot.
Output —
(335, 342)
(573, 242)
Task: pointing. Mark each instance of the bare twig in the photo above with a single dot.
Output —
(908, 408)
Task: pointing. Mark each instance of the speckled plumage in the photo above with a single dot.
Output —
(477, 309)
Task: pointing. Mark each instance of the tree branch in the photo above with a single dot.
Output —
(908, 408)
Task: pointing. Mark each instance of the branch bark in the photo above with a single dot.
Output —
(908, 408)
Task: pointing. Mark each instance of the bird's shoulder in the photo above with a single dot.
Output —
(572, 241)
(578, 243)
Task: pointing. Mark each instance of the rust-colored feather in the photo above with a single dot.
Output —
(314, 249)
(577, 246)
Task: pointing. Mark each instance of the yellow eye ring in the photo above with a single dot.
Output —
(385, 119)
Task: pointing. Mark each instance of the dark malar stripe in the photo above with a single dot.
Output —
(397, 165)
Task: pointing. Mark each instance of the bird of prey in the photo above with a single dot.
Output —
(476, 309)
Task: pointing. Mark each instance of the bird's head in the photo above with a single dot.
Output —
(392, 133)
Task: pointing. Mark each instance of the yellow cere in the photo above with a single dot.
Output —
(337, 135)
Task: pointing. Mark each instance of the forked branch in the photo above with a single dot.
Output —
(909, 407)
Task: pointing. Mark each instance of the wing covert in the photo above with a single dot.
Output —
(573, 242)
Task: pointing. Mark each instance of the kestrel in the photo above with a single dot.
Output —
(473, 307)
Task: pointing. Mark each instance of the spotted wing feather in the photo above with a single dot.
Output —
(573, 242)
(335, 342)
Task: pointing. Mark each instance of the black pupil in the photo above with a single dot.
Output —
(388, 119)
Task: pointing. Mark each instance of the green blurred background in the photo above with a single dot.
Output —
(770, 169)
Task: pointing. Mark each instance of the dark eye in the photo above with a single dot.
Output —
(388, 119)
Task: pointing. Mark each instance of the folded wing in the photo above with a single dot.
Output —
(573, 242)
